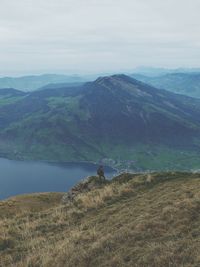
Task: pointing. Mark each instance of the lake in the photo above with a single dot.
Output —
(24, 177)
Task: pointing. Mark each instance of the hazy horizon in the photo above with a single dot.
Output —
(90, 37)
(145, 70)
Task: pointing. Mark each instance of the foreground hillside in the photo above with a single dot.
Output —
(149, 220)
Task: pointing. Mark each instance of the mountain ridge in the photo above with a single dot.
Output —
(34, 82)
(180, 83)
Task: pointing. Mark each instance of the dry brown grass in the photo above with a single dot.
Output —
(133, 221)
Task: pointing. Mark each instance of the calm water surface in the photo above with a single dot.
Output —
(22, 177)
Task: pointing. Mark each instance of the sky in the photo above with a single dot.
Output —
(91, 36)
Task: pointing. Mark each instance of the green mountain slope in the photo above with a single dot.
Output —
(135, 220)
(115, 117)
(181, 83)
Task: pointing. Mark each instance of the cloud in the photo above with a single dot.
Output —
(97, 35)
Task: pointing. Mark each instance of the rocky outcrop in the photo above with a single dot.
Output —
(84, 186)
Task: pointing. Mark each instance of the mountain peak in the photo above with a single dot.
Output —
(113, 79)
(122, 82)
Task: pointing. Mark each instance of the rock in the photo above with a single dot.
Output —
(84, 186)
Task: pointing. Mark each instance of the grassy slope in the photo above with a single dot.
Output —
(151, 220)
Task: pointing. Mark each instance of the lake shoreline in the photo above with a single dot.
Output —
(59, 162)
(31, 176)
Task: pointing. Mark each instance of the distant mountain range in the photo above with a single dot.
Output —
(114, 117)
(31, 83)
(181, 83)
(154, 72)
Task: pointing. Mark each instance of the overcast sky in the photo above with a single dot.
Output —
(83, 36)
